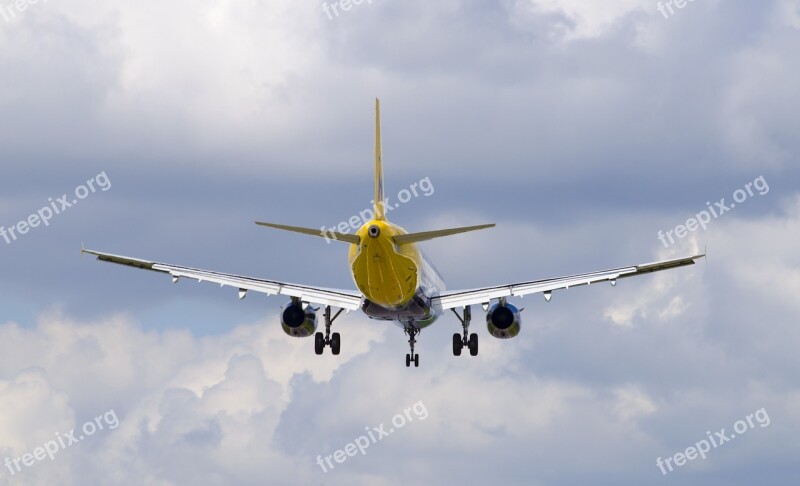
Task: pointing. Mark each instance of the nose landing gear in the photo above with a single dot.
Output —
(412, 332)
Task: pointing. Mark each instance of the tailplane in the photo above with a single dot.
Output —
(410, 238)
(322, 233)
(378, 205)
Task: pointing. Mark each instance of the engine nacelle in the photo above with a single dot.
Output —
(503, 320)
(298, 321)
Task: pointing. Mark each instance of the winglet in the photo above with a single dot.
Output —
(87, 251)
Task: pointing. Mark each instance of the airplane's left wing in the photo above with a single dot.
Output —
(461, 298)
(344, 299)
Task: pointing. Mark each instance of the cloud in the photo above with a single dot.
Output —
(581, 128)
(582, 19)
(176, 396)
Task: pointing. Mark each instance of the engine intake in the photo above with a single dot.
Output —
(298, 321)
(503, 320)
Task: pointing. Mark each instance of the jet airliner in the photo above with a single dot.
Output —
(395, 282)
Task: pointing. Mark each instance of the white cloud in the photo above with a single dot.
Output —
(586, 19)
(174, 393)
(632, 403)
(571, 134)
(788, 13)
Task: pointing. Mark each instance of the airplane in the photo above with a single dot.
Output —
(395, 282)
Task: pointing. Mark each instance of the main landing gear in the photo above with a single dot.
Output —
(412, 334)
(465, 340)
(333, 340)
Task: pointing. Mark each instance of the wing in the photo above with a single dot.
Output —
(461, 298)
(349, 300)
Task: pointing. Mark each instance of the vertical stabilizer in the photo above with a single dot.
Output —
(380, 213)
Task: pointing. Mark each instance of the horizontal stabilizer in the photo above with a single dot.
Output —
(328, 235)
(429, 235)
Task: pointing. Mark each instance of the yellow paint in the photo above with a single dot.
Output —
(385, 273)
(380, 211)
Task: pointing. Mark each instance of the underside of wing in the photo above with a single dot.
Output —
(344, 299)
(461, 298)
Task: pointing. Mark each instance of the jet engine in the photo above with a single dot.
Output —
(297, 320)
(503, 320)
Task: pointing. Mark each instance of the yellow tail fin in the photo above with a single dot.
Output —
(380, 213)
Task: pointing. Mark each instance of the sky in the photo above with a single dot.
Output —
(583, 129)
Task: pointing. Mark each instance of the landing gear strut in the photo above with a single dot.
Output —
(333, 340)
(412, 334)
(466, 340)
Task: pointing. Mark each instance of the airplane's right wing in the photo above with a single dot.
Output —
(462, 298)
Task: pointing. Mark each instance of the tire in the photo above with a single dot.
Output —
(408, 360)
(336, 343)
(319, 343)
(457, 344)
(473, 344)
(416, 361)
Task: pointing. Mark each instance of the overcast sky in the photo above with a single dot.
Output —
(581, 128)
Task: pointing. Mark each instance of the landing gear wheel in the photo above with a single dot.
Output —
(322, 340)
(458, 344)
(319, 343)
(412, 332)
(473, 344)
(466, 340)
